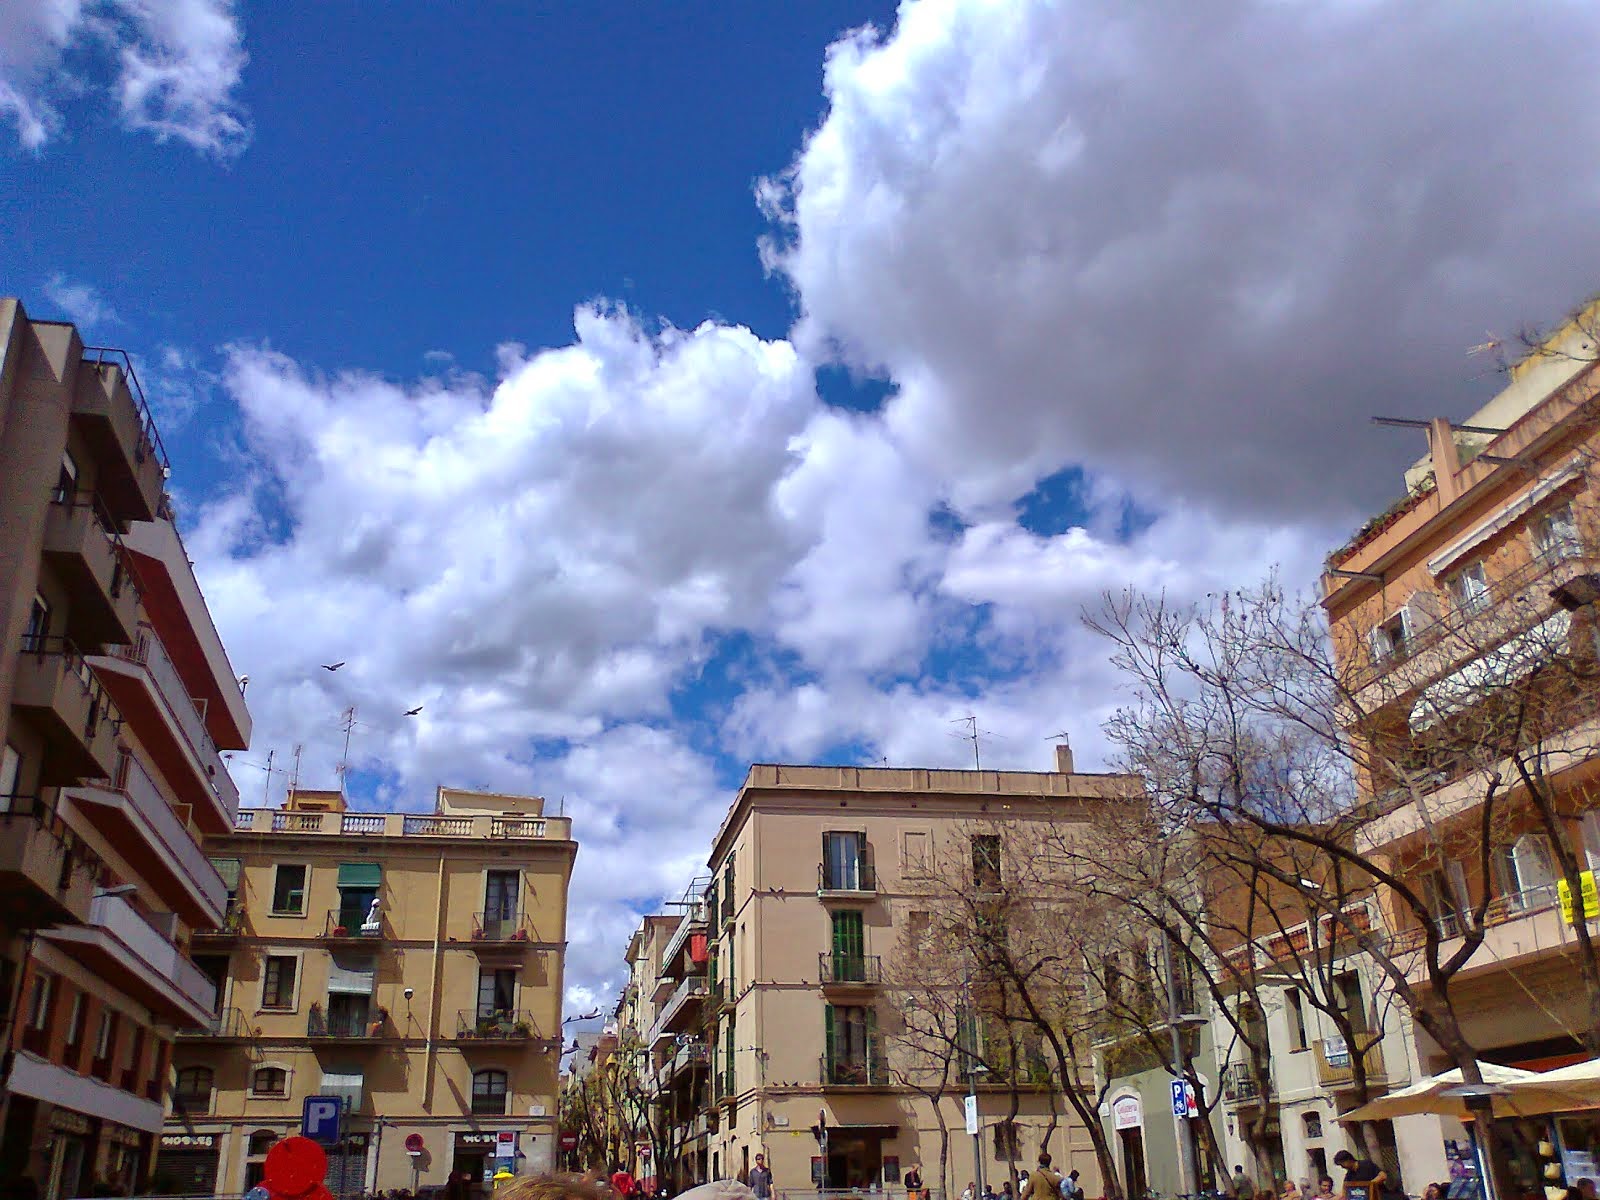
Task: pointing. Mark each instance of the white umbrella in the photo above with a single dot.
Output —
(1566, 1089)
(1438, 1095)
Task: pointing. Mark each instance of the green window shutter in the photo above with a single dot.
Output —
(849, 938)
(360, 875)
(828, 1019)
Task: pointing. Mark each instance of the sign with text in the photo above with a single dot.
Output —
(972, 1115)
(1591, 898)
(319, 1120)
(1127, 1113)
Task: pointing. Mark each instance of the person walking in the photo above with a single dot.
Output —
(761, 1178)
(970, 1192)
(1243, 1186)
(1071, 1189)
(913, 1183)
(1045, 1183)
(621, 1181)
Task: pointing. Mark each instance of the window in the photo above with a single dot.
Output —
(277, 984)
(849, 947)
(1447, 896)
(727, 890)
(497, 991)
(289, 890)
(728, 1043)
(1555, 535)
(1007, 1140)
(1295, 1003)
(39, 1004)
(1591, 839)
(358, 884)
(986, 862)
(1389, 640)
(77, 1019)
(10, 775)
(193, 1087)
(489, 1093)
(851, 1044)
(66, 479)
(269, 1081)
(1526, 872)
(843, 861)
(501, 891)
(917, 929)
(1469, 589)
(915, 859)
(33, 637)
(261, 1141)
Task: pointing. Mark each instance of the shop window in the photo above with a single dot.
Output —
(489, 1092)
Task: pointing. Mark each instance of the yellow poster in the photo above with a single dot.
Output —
(1591, 898)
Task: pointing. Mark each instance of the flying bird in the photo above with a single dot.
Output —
(411, 712)
(333, 666)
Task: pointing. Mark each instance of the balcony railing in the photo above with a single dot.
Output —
(691, 990)
(356, 923)
(333, 824)
(70, 689)
(1335, 1065)
(862, 970)
(501, 927)
(1510, 906)
(834, 878)
(1239, 1084)
(346, 1025)
(229, 1025)
(864, 1070)
(497, 1025)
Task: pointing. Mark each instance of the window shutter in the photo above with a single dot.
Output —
(828, 1020)
(1378, 644)
(360, 875)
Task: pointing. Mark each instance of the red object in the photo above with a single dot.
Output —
(296, 1166)
(698, 953)
(569, 1141)
(413, 1143)
(622, 1183)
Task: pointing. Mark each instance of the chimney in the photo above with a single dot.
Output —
(1063, 758)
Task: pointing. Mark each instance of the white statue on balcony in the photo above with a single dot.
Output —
(372, 925)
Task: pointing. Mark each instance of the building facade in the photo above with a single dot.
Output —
(116, 701)
(1464, 623)
(767, 1016)
(410, 964)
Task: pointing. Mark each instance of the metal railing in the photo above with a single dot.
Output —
(1489, 609)
(101, 706)
(1239, 1083)
(353, 922)
(861, 878)
(1335, 1059)
(866, 969)
(865, 1070)
(501, 927)
(229, 1023)
(1508, 906)
(367, 1024)
(150, 437)
(500, 1024)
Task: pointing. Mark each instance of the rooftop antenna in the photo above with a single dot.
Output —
(294, 775)
(347, 722)
(973, 735)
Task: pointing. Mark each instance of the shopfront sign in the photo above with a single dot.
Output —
(1127, 1113)
(188, 1141)
(64, 1120)
(477, 1140)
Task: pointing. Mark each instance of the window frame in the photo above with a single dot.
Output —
(1552, 544)
(304, 889)
(489, 1076)
(284, 1074)
(1464, 599)
(294, 982)
(10, 774)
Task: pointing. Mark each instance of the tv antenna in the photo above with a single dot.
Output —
(974, 735)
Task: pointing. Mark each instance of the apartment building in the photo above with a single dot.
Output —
(769, 1007)
(1463, 620)
(116, 699)
(408, 963)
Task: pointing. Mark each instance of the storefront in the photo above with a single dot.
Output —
(187, 1164)
(1127, 1120)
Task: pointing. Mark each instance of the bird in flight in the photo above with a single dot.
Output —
(411, 712)
(333, 666)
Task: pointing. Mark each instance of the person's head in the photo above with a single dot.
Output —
(1325, 1183)
(1238, 1168)
(1344, 1159)
(761, 1160)
(1431, 1192)
(1586, 1186)
(1073, 1174)
(1044, 1158)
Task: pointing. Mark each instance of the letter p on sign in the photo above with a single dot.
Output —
(320, 1119)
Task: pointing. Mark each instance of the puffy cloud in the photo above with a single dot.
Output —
(81, 303)
(1194, 248)
(172, 67)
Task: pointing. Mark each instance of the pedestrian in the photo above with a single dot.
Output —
(1045, 1183)
(621, 1181)
(1071, 1189)
(1243, 1186)
(761, 1178)
(1363, 1178)
(1005, 1191)
(988, 1191)
(1287, 1190)
(1586, 1186)
(913, 1183)
(970, 1192)
(1325, 1189)
(1022, 1182)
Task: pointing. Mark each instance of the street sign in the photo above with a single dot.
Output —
(569, 1141)
(319, 1121)
(1184, 1103)
(414, 1143)
(1191, 1100)
(972, 1115)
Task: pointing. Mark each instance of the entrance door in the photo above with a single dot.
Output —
(854, 1161)
(1133, 1160)
(66, 1168)
(469, 1164)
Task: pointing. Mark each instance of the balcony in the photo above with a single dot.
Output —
(229, 1025)
(849, 972)
(851, 882)
(109, 409)
(1335, 1067)
(495, 1027)
(501, 931)
(82, 544)
(233, 926)
(401, 825)
(120, 945)
(1548, 584)
(152, 695)
(1239, 1085)
(46, 873)
(693, 921)
(680, 1007)
(855, 1070)
(353, 924)
(688, 1057)
(362, 1025)
(135, 817)
(71, 709)
(1519, 928)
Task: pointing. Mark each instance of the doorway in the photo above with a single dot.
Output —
(1133, 1160)
(470, 1165)
(66, 1167)
(855, 1160)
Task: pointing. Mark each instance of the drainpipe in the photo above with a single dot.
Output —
(431, 1052)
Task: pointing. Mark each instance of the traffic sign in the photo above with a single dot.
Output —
(319, 1120)
(414, 1143)
(294, 1166)
(972, 1115)
(1180, 1098)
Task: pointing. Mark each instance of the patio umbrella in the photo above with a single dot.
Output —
(1434, 1095)
(1566, 1089)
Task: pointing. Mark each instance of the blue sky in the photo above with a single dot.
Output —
(646, 390)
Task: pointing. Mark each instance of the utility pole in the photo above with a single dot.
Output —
(969, 1039)
(1186, 1156)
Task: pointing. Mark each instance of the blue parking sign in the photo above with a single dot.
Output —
(320, 1119)
(1180, 1098)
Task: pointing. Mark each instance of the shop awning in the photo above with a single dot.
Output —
(351, 976)
(360, 875)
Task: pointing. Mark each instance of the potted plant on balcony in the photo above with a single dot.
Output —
(520, 935)
(522, 1029)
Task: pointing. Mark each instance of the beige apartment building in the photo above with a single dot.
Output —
(1466, 604)
(116, 700)
(766, 999)
(409, 963)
